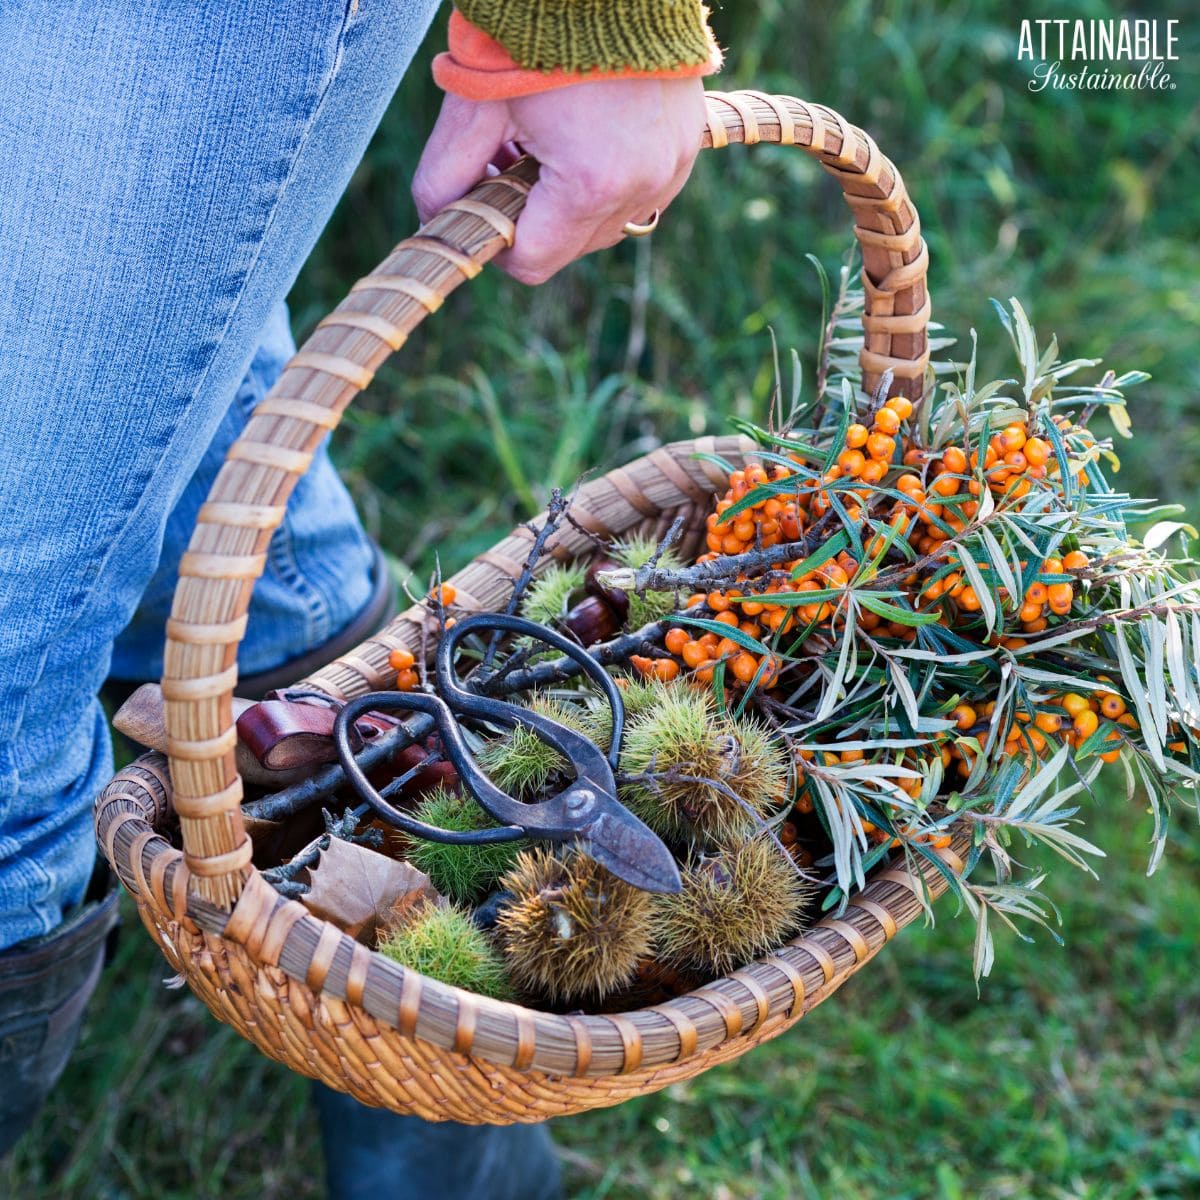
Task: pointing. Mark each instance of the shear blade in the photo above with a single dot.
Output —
(632, 852)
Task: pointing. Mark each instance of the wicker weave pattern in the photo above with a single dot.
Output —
(298, 987)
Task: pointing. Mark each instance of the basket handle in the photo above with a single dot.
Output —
(227, 552)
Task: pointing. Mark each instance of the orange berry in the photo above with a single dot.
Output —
(1016, 461)
(856, 436)
(1030, 611)
(881, 447)
(901, 406)
(401, 660)
(676, 639)
(445, 593)
(887, 421)
(1014, 437)
(642, 664)
(944, 485)
(718, 601)
(666, 669)
(1037, 452)
(969, 601)
(1085, 724)
(851, 462)
(726, 647)
(954, 460)
(407, 681)
(728, 617)
(1048, 722)
(873, 471)
(694, 654)
(964, 715)
(744, 667)
(1112, 706)
(1036, 593)
(1076, 560)
(1060, 596)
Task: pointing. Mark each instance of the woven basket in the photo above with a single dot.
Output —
(296, 986)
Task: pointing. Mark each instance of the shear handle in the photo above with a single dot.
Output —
(446, 726)
(471, 704)
(560, 818)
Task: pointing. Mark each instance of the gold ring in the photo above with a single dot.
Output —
(633, 229)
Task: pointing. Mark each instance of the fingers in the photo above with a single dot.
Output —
(467, 137)
(611, 153)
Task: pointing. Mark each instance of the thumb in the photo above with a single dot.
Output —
(465, 139)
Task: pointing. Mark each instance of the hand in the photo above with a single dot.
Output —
(610, 152)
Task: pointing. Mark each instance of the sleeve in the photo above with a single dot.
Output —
(499, 49)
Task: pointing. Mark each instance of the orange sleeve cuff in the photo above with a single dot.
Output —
(477, 67)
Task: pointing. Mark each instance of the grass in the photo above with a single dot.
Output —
(1076, 1071)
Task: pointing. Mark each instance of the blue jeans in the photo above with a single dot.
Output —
(165, 169)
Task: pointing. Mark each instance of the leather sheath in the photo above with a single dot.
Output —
(283, 734)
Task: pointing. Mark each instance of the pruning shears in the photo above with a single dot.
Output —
(586, 811)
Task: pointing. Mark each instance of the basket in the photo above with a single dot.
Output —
(171, 826)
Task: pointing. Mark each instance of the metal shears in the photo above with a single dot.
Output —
(586, 811)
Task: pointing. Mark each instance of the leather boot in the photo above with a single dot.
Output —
(45, 985)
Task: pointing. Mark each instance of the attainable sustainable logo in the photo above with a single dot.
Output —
(1100, 55)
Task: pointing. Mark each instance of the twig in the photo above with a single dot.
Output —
(554, 512)
(344, 827)
(722, 572)
(559, 670)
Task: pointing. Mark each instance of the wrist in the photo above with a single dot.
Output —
(477, 66)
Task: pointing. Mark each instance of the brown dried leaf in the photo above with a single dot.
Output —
(358, 889)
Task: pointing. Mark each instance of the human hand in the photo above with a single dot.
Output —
(610, 152)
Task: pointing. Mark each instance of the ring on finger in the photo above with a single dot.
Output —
(635, 229)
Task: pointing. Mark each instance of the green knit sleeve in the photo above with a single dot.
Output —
(596, 35)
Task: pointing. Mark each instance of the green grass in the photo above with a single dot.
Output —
(1076, 1072)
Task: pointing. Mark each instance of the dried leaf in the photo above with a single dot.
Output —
(358, 889)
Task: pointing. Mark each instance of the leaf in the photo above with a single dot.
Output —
(1119, 415)
(983, 592)
(732, 632)
(893, 612)
(1157, 534)
(358, 889)
(1135, 688)
(820, 556)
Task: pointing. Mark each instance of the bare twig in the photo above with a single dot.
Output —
(720, 573)
(554, 511)
(559, 670)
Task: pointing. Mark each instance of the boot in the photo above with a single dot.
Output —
(45, 985)
(371, 1154)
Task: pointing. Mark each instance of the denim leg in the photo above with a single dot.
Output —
(317, 576)
(164, 172)
(371, 1154)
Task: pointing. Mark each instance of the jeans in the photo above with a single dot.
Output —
(165, 169)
